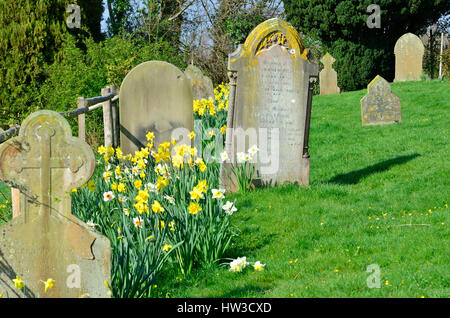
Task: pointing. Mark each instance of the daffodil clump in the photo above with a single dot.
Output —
(213, 116)
(160, 205)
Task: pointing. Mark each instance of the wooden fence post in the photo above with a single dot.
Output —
(15, 201)
(81, 103)
(107, 119)
(115, 118)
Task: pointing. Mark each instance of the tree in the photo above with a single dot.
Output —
(92, 12)
(362, 52)
(30, 34)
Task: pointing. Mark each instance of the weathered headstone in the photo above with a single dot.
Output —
(328, 76)
(155, 96)
(202, 86)
(271, 81)
(380, 106)
(408, 52)
(46, 240)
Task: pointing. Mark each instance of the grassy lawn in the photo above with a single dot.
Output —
(378, 195)
(5, 202)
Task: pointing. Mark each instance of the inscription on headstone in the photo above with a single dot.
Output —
(328, 76)
(271, 102)
(408, 52)
(155, 96)
(46, 240)
(380, 106)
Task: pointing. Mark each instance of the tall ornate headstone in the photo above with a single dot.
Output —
(46, 241)
(380, 106)
(155, 96)
(271, 79)
(408, 52)
(202, 86)
(328, 76)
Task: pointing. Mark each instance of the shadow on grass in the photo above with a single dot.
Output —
(355, 176)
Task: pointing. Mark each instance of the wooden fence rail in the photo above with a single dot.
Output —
(107, 101)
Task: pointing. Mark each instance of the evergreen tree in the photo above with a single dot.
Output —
(362, 52)
(31, 31)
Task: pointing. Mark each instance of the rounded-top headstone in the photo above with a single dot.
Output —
(155, 96)
(408, 52)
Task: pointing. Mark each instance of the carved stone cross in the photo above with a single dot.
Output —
(46, 241)
(328, 76)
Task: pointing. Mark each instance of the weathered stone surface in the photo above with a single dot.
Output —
(46, 240)
(328, 76)
(408, 52)
(154, 96)
(274, 74)
(380, 106)
(202, 86)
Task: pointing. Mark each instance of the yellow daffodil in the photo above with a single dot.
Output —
(138, 184)
(48, 284)
(156, 207)
(19, 283)
(194, 208)
(166, 247)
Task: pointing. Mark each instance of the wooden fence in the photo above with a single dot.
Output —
(107, 102)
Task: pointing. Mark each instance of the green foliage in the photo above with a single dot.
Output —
(30, 34)
(446, 63)
(362, 52)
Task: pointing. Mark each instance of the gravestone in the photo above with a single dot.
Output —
(380, 106)
(155, 96)
(328, 76)
(202, 86)
(408, 52)
(45, 240)
(271, 81)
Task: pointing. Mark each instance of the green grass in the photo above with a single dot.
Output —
(366, 184)
(5, 203)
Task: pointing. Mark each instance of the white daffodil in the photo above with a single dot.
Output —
(253, 150)
(152, 187)
(218, 193)
(224, 156)
(108, 196)
(238, 264)
(229, 208)
(137, 221)
(169, 198)
(240, 156)
(91, 224)
(258, 266)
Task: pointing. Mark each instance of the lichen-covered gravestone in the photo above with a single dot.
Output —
(202, 86)
(155, 96)
(46, 241)
(380, 106)
(408, 52)
(271, 81)
(328, 76)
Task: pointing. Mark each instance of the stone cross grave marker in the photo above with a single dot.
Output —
(408, 52)
(46, 241)
(380, 106)
(271, 81)
(155, 96)
(328, 76)
(202, 86)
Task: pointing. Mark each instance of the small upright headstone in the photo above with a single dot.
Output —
(408, 52)
(155, 96)
(271, 103)
(380, 106)
(45, 241)
(328, 76)
(202, 86)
